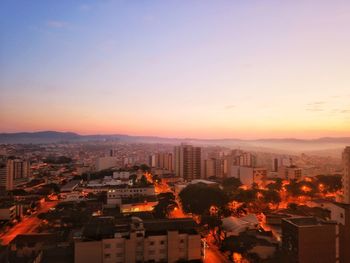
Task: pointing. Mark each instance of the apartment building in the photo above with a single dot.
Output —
(12, 172)
(249, 175)
(163, 161)
(308, 240)
(290, 172)
(346, 175)
(188, 162)
(132, 240)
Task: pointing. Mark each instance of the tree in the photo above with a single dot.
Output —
(166, 202)
(18, 192)
(276, 186)
(292, 206)
(198, 198)
(145, 168)
(133, 177)
(330, 183)
(246, 196)
(271, 196)
(231, 184)
(211, 221)
(52, 187)
(143, 181)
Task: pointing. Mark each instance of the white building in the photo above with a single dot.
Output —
(107, 162)
(114, 195)
(121, 175)
(249, 175)
(290, 173)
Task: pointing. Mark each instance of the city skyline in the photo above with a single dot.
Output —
(176, 69)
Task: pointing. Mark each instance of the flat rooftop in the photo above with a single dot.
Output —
(307, 221)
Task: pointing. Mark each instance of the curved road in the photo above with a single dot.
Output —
(27, 225)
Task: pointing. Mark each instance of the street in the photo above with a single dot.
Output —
(27, 225)
(213, 255)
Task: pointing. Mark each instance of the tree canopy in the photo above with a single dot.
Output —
(198, 198)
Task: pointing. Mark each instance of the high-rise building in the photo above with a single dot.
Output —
(162, 161)
(13, 171)
(346, 175)
(275, 164)
(307, 240)
(291, 172)
(3, 176)
(246, 159)
(188, 162)
(214, 167)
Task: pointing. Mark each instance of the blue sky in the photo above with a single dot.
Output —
(176, 68)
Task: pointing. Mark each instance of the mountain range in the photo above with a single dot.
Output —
(325, 144)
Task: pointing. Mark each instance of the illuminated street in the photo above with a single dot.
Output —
(213, 255)
(27, 225)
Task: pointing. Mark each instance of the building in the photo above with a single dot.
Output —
(3, 177)
(340, 213)
(245, 159)
(138, 204)
(188, 162)
(107, 162)
(346, 175)
(275, 165)
(214, 167)
(249, 175)
(162, 161)
(307, 240)
(133, 240)
(116, 194)
(13, 172)
(7, 212)
(123, 175)
(70, 186)
(290, 172)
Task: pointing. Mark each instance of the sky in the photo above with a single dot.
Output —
(204, 69)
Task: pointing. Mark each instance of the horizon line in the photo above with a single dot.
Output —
(178, 138)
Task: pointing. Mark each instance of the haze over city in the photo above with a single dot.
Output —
(238, 69)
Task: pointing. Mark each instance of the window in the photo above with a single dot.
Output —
(162, 251)
(151, 243)
(341, 215)
(182, 241)
(107, 246)
(107, 256)
(139, 243)
(119, 255)
(119, 245)
(151, 252)
(162, 242)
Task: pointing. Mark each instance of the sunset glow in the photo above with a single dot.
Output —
(176, 69)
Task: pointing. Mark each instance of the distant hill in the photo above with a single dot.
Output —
(38, 137)
(272, 144)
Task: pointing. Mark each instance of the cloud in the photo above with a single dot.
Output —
(229, 107)
(56, 24)
(314, 109)
(316, 103)
(315, 106)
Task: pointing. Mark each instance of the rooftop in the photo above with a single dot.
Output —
(307, 221)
